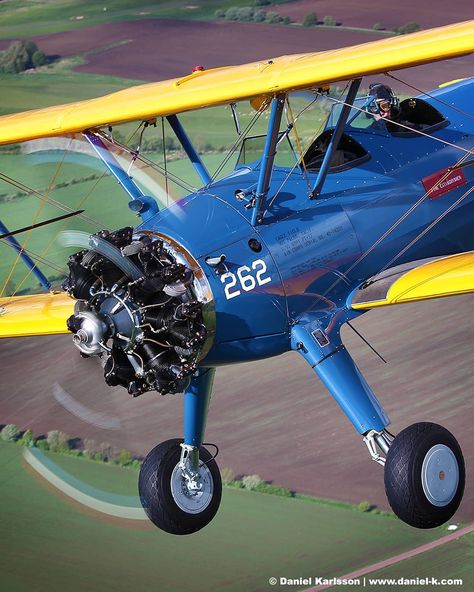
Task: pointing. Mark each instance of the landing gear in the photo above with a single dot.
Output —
(180, 487)
(424, 475)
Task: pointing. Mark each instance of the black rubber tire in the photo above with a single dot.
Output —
(402, 475)
(154, 487)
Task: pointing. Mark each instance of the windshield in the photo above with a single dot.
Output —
(360, 116)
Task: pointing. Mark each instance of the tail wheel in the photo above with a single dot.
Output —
(424, 475)
(166, 497)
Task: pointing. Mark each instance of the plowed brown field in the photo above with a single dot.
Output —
(390, 14)
(273, 417)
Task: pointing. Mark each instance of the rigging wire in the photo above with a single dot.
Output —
(44, 197)
(298, 143)
(467, 153)
(35, 220)
(62, 228)
(366, 341)
(428, 228)
(40, 259)
(165, 161)
(403, 217)
(297, 164)
(145, 160)
(135, 154)
(34, 193)
(239, 141)
(422, 92)
(399, 221)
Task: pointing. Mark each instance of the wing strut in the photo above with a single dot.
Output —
(144, 205)
(268, 156)
(43, 280)
(191, 153)
(336, 137)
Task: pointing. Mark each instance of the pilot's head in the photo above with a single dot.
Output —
(385, 101)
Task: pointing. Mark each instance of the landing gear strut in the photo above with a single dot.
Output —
(180, 485)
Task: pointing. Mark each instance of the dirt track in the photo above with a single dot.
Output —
(272, 418)
(397, 558)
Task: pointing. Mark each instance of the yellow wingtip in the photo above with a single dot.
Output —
(447, 276)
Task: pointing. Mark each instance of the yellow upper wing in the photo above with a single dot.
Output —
(225, 85)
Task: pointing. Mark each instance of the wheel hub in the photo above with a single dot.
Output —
(440, 475)
(192, 498)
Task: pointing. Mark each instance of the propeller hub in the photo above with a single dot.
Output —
(90, 332)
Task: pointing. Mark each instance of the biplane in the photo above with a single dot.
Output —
(377, 210)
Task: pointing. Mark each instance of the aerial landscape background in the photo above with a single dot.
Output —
(271, 418)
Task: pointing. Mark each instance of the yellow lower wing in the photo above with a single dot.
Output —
(46, 314)
(422, 280)
(36, 314)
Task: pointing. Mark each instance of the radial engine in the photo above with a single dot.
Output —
(141, 306)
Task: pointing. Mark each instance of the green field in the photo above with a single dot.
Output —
(21, 92)
(50, 543)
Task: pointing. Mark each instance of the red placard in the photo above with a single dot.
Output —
(450, 181)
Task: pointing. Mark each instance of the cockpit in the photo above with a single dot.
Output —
(412, 114)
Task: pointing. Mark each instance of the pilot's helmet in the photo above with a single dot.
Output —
(385, 100)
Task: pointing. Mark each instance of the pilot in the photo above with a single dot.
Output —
(385, 105)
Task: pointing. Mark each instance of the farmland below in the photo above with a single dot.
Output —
(69, 547)
(286, 386)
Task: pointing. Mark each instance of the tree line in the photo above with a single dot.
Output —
(20, 56)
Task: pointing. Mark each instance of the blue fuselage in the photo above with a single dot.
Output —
(307, 255)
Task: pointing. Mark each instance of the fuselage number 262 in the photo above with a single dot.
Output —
(245, 279)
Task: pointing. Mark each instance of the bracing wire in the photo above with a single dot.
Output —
(401, 219)
(35, 220)
(40, 259)
(428, 228)
(298, 163)
(145, 160)
(45, 198)
(165, 159)
(299, 146)
(239, 141)
(136, 155)
(34, 193)
(432, 97)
